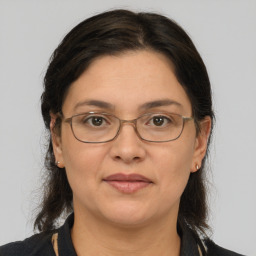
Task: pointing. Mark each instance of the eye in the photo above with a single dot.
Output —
(159, 121)
(95, 121)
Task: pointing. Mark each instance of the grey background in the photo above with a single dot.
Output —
(225, 35)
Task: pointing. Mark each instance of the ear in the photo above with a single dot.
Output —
(201, 143)
(56, 142)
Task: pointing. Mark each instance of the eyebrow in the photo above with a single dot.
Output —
(96, 103)
(145, 106)
(159, 103)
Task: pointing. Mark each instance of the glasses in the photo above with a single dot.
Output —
(95, 127)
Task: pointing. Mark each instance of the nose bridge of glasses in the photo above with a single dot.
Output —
(131, 122)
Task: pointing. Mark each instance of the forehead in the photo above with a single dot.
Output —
(128, 81)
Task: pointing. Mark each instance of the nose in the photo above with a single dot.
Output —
(128, 147)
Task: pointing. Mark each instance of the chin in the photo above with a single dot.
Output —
(128, 221)
(131, 215)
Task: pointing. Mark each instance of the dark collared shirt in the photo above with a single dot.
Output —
(41, 244)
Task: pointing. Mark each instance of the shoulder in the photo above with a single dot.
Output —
(215, 250)
(194, 244)
(39, 244)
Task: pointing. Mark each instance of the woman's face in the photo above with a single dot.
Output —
(125, 83)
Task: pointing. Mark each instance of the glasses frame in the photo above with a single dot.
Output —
(123, 121)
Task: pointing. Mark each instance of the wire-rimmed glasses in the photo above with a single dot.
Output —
(97, 127)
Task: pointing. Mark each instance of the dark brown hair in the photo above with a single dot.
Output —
(112, 33)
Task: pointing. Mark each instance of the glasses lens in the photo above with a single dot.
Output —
(94, 127)
(160, 127)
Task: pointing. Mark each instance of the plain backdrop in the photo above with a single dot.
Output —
(224, 32)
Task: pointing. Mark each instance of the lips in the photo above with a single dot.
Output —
(127, 184)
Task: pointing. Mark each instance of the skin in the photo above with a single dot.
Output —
(107, 221)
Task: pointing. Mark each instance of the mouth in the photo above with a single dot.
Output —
(128, 184)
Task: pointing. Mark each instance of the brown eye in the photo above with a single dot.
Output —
(96, 120)
(158, 120)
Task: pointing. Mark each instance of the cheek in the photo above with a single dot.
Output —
(174, 163)
(82, 162)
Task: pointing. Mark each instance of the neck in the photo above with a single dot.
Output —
(92, 236)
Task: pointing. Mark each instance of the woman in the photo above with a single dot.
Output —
(127, 101)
